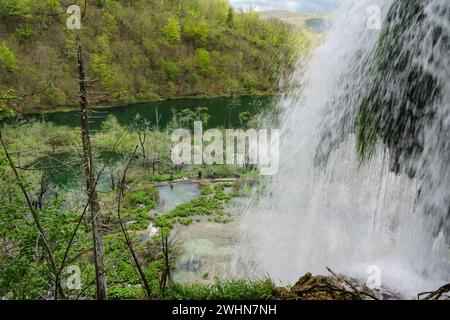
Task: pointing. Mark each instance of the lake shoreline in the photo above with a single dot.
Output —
(72, 108)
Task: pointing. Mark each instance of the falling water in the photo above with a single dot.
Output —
(328, 208)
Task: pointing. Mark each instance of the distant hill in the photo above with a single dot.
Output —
(318, 22)
(141, 51)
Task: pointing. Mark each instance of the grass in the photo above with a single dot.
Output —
(200, 206)
(222, 171)
(185, 221)
(222, 290)
(219, 193)
(168, 177)
(142, 197)
(222, 219)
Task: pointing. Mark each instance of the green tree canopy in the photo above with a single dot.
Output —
(172, 31)
(7, 59)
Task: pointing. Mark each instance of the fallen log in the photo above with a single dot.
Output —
(435, 295)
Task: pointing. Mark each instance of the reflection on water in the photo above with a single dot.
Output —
(169, 198)
(179, 193)
(206, 251)
(205, 248)
(65, 171)
(223, 112)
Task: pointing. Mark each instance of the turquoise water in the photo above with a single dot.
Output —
(66, 172)
(178, 194)
(223, 112)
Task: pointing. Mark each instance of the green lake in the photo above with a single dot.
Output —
(223, 112)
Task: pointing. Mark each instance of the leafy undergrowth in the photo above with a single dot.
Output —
(168, 177)
(224, 171)
(138, 201)
(222, 290)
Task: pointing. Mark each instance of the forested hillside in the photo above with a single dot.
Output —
(141, 50)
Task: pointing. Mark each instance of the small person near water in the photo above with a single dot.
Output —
(171, 182)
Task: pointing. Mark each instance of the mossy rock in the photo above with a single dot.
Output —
(402, 92)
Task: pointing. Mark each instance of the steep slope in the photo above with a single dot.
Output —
(141, 50)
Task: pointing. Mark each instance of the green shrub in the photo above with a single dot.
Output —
(125, 292)
(7, 59)
(56, 96)
(220, 194)
(163, 222)
(222, 171)
(168, 177)
(24, 33)
(185, 221)
(17, 8)
(222, 219)
(197, 32)
(203, 60)
(207, 190)
(172, 31)
(168, 68)
(147, 195)
(200, 206)
(222, 290)
(101, 61)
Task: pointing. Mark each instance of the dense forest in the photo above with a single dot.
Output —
(142, 51)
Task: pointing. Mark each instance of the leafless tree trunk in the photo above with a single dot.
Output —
(42, 191)
(94, 206)
(166, 275)
(142, 126)
(158, 118)
(120, 195)
(142, 139)
(34, 214)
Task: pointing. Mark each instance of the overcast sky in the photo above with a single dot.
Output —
(289, 5)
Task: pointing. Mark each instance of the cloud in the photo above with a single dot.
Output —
(289, 5)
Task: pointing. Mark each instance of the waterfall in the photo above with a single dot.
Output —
(364, 175)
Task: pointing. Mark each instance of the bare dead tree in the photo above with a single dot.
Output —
(143, 127)
(81, 218)
(158, 118)
(94, 206)
(154, 163)
(120, 195)
(166, 275)
(42, 191)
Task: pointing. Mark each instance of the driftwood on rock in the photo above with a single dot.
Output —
(339, 287)
(436, 295)
(334, 287)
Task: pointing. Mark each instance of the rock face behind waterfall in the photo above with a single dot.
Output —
(407, 105)
(403, 102)
(405, 87)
